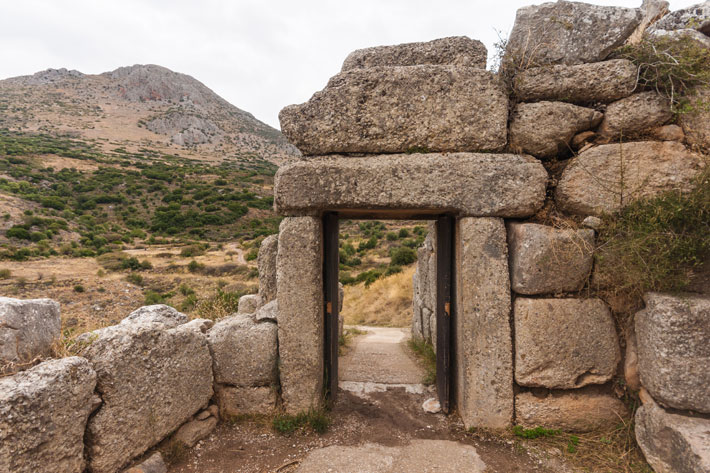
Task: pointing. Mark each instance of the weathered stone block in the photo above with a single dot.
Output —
(696, 123)
(608, 177)
(452, 51)
(399, 109)
(267, 268)
(673, 334)
(424, 289)
(248, 303)
(244, 352)
(673, 443)
(484, 352)
(192, 432)
(268, 312)
(545, 129)
(299, 268)
(545, 260)
(28, 328)
(584, 83)
(503, 185)
(154, 464)
(581, 410)
(159, 314)
(569, 32)
(635, 114)
(694, 16)
(235, 401)
(152, 377)
(564, 343)
(43, 414)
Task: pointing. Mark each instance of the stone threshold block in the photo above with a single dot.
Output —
(484, 352)
(468, 184)
(299, 292)
(401, 108)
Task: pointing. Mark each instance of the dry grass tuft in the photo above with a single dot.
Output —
(386, 302)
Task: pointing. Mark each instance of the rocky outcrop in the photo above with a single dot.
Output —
(569, 32)
(452, 51)
(696, 17)
(544, 129)
(266, 263)
(470, 184)
(635, 114)
(43, 414)
(581, 410)
(582, 84)
(673, 352)
(547, 260)
(28, 329)
(672, 443)
(153, 374)
(580, 343)
(608, 177)
(401, 109)
(184, 129)
(696, 122)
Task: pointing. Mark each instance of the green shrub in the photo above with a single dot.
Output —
(315, 419)
(403, 233)
(152, 298)
(193, 266)
(403, 256)
(19, 232)
(391, 236)
(424, 351)
(79, 288)
(135, 278)
(5, 273)
(252, 254)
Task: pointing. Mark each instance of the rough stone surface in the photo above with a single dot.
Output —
(695, 16)
(687, 34)
(159, 314)
(584, 83)
(635, 114)
(595, 223)
(653, 10)
(152, 378)
(43, 413)
(154, 464)
(192, 432)
(248, 304)
(581, 140)
(244, 352)
(581, 410)
(545, 129)
(269, 311)
(569, 32)
(424, 288)
(673, 350)
(399, 109)
(564, 343)
(631, 362)
(267, 268)
(299, 268)
(236, 401)
(502, 185)
(668, 133)
(483, 339)
(28, 328)
(593, 182)
(546, 260)
(673, 443)
(452, 51)
(696, 124)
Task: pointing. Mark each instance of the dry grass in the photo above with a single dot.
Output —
(386, 302)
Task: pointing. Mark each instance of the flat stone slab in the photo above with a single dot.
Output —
(454, 51)
(420, 455)
(400, 109)
(469, 184)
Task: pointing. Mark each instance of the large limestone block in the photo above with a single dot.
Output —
(584, 83)
(673, 334)
(581, 410)
(569, 32)
(248, 303)
(673, 443)
(545, 129)
(159, 314)
(43, 413)
(244, 352)
(267, 268)
(299, 269)
(608, 177)
(236, 401)
(696, 17)
(28, 328)
(452, 51)
(635, 114)
(399, 109)
(696, 123)
(484, 352)
(501, 185)
(545, 260)
(152, 379)
(564, 343)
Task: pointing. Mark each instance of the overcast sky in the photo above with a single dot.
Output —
(259, 55)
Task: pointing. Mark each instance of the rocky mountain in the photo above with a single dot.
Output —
(138, 107)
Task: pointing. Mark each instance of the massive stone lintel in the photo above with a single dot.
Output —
(398, 109)
(484, 351)
(468, 184)
(299, 292)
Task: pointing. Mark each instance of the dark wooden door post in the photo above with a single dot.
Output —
(444, 307)
(331, 262)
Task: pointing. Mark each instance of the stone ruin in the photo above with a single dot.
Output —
(420, 130)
